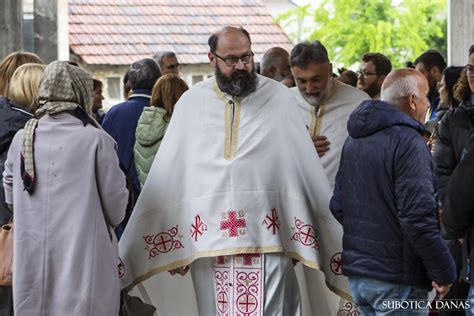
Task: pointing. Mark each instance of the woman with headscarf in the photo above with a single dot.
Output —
(63, 180)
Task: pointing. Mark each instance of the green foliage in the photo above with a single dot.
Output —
(400, 29)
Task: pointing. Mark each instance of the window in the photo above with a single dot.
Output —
(28, 33)
(113, 88)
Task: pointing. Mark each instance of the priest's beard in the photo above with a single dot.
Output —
(316, 97)
(241, 83)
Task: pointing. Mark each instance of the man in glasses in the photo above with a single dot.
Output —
(431, 64)
(237, 196)
(325, 103)
(168, 62)
(374, 68)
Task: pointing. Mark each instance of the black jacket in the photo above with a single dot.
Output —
(459, 218)
(13, 117)
(385, 199)
(454, 131)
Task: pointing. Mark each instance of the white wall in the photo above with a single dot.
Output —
(460, 30)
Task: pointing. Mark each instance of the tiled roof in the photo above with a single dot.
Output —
(119, 32)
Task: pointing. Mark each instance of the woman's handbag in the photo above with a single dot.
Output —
(134, 306)
(6, 254)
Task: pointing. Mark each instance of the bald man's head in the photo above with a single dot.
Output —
(229, 32)
(231, 57)
(407, 89)
(275, 64)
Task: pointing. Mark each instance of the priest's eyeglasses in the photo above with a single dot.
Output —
(231, 61)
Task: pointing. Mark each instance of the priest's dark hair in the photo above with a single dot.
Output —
(306, 53)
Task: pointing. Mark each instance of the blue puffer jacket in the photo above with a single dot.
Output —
(385, 199)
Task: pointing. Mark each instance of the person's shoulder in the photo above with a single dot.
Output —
(151, 115)
(457, 115)
(98, 135)
(351, 92)
(264, 82)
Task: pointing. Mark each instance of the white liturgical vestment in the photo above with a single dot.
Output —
(330, 119)
(232, 179)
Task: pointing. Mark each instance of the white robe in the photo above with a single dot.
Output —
(331, 121)
(231, 179)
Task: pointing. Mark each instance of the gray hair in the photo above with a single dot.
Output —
(303, 54)
(143, 74)
(158, 57)
(272, 57)
(400, 88)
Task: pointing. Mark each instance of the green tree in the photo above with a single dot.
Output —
(400, 29)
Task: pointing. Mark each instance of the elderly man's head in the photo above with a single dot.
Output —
(407, 89)
(312, 71)
(232, 58)
(143, 74)
(275, 64)
(168, 62)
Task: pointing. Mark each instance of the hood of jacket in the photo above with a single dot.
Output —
(151, 126)
(372, 116)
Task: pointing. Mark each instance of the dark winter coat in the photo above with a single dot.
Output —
(385, 198)
(121, 123)
(454, 131)
(12, 118)
(459, 218)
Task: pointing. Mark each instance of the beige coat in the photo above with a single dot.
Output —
(65, 252)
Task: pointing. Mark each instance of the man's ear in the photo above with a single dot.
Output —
(330, 69)
(212, 59)
(412, 103)
(271, 71)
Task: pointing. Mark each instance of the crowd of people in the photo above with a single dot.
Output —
(282, 189)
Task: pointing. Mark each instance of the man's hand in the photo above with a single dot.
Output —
(321, 144)
(441, 289)
(180, 270)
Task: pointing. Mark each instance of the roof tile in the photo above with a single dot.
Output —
(119, 32)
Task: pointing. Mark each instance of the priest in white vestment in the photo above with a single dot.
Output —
(324, 102)
(236, 194)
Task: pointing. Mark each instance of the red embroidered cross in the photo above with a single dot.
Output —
(246, 302)
(232, 224)
(248, 257)
(336, 263)
(274, 221)
(197, 228)
(163, 243)
(307, 234)
(222, 301)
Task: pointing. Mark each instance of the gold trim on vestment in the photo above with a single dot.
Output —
(231, 126)
(344, 295)
(203, 254)
(317, 113)
(234, 251)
